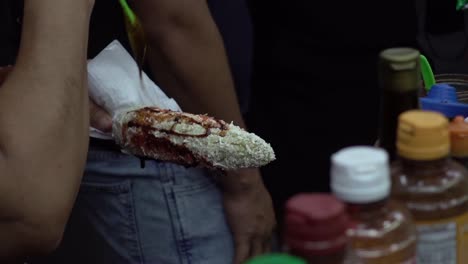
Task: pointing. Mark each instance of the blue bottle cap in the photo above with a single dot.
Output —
(442, 98)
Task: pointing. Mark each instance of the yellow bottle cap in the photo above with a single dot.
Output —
(423, 135)
(459, 137)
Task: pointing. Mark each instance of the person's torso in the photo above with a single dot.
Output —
(107, 24)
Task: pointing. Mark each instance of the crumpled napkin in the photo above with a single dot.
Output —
(114, 84)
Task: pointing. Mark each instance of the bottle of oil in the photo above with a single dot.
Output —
(399, 78)
(382, 229)
(433, 187)
(315, 229)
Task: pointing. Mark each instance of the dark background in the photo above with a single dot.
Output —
(314, 85)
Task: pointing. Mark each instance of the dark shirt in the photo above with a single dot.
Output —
(234, 22)
(10, 27)
(107, 24)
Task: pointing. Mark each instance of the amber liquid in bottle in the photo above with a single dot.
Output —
(335, 258)
(383, 233)
(382, 230)
(436, 193)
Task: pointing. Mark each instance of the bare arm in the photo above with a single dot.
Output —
(187, 57)
(44, 126)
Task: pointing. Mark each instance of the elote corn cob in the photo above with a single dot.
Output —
(188, 139)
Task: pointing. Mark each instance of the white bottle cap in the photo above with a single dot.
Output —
(360, 174)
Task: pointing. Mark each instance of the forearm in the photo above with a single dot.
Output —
(187, 57)
(18, 243)
(221, 103)
(44, 115)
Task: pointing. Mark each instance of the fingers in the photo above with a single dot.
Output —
(99, 118)
(4, 71)
(242, 251)
(267, 245)
(263, 244)
(257, 247)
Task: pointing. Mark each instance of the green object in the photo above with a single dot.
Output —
(427, 74)
(276, 259)
(462, 4)
(128, 12)
(136, 35)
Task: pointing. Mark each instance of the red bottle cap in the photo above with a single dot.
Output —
(316, 224)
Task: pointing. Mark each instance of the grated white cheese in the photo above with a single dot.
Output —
(231, 149)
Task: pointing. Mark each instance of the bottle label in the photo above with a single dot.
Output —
(443, 241)
(356, 260)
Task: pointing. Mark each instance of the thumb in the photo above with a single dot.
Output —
(99, 118)
(242, 250)
(4, 71)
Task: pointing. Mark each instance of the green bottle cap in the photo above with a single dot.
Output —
(399, 69)
(276, 259)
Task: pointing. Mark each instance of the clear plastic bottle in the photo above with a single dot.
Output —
(382, 230)
(433, 187)
(315, 229)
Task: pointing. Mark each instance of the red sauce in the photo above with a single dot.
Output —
(162, 146)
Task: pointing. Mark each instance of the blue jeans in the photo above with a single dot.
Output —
(163, 213)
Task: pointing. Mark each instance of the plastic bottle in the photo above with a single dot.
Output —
(399, 78)
(277, 258)
(433, 186)
(459, 140)
(382, 230)
(315, 228)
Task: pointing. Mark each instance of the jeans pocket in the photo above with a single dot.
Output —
(202, 233)
(106, 213)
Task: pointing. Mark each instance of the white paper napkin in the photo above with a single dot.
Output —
(115, 85)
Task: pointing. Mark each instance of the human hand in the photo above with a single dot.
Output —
(99, 118)
(250, 215)
(4, 71)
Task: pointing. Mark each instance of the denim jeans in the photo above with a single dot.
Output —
(162, 213)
